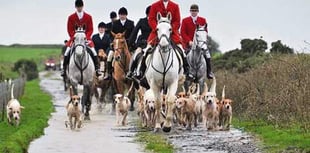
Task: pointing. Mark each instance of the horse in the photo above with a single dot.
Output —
(195, 58)
(121, 60)
(99, 82)
(81, 69)
(163, 71)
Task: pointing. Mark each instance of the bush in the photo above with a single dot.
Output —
(277, 92)
(27, 67)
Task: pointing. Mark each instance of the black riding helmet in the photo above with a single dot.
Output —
(123, 11)
(102, 25)
(79, 3)
(147, 10)
(113, 15)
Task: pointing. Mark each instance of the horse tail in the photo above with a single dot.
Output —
(129, 90)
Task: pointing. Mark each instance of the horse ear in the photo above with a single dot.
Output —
(84, 27)
(169, 16)
(113, 34)
(76, 27)
(158, 16)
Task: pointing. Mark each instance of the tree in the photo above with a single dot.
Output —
(213, 46)
(253, 46)
(278, 47)
(29, 67)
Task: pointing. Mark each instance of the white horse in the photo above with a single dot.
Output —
(81, 68)
(196, 60)
(163, 71)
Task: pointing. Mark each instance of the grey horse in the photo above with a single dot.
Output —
(81, 69)
(195, 58)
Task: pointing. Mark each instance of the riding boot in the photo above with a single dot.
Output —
(65, 64)
(185, 63)
(133, 65)
(109, 71)
(210, 74)
(97, 66)
(148, 50)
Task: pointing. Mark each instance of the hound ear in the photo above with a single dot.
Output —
(169, 16)
(22, 107)
(158, 16)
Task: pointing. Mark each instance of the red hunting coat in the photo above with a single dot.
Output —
(73, 21)
(174, 9)
(188, 29)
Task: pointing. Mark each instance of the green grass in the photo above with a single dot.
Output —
(155, 142)
(10, 55)
(38, 107)
(277, 139)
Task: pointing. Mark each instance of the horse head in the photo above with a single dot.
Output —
(164, 30)
(79, 41)
(200, 38)
(119, 45)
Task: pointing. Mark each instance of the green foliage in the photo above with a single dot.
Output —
(10, 55)
(213, 45)
(277, 139)
(278, 47)
(33, 120)
(29, 67)
(155, 142)
(253, 46)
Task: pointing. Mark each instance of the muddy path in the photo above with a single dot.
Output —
(200, 140)
(101, 135)
(96, 136)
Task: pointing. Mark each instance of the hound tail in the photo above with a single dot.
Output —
(12, 91)
(129, 90)
(223, 93)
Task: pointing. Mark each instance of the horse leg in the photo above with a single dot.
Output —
(132, 99)
(171, 98)
(87, 101)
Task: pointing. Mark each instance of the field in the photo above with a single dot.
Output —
(9, 55)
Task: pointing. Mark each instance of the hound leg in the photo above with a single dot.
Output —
(124, 119)
(156, 93)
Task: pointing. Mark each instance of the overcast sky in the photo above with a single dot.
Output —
(44, 21)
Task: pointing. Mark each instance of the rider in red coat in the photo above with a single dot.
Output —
(188, 29)
(77, 19)
(164, 7)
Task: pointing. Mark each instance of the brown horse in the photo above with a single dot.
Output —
(121, 62)
(99, 82)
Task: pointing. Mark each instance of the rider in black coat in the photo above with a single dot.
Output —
(141, 42)
(123, 24)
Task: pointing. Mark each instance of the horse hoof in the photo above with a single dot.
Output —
(86, 118)
(156, 130)
(166, 129)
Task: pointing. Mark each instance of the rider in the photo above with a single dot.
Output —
(102, 39)
(164, 7)
(141, 42)
(80, 18)
(188, 28)
(123, 24)
(113, 17)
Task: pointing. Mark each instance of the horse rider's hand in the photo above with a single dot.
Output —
(190, 43)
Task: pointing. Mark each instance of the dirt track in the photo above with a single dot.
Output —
(101, 135)
(96, 136)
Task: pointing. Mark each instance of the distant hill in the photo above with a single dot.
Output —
(34, 45)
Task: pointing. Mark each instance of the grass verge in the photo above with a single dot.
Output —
(290, 139)
(155, 142)
(38, 107)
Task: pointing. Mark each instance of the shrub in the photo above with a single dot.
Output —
(28, 67)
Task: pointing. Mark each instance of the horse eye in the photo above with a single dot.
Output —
(156, 29)
(170, 29)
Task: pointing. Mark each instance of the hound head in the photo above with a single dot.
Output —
(118, 98)
(181, 102)
(227, 103)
